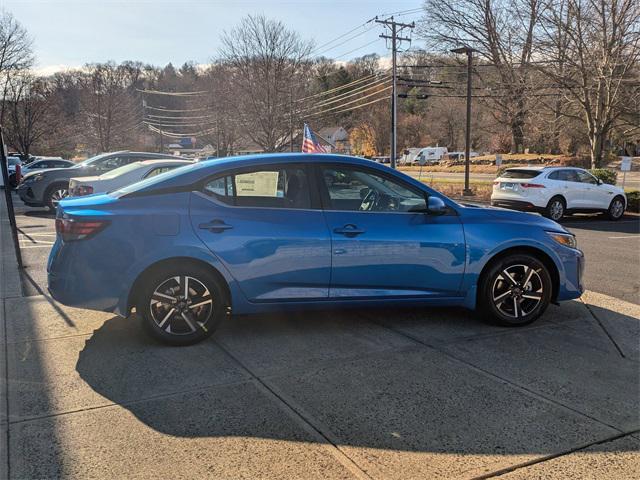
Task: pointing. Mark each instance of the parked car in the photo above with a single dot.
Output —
(460, 156)
(46, 188)
(122, 176)
(12, 163)
(555, 191)
(289, 231)
(45, 164)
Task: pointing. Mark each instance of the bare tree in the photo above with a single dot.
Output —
(597, 64)
(28, 105)
(110, 105)
(15, 52)
(503, 33)
(267, 62)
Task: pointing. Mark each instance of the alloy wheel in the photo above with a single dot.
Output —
(181, 305)
(556, 210)
(617, 208)
(517, 291)
(58, 195)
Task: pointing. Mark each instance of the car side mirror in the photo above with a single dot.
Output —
(599, 181)
(435, 206)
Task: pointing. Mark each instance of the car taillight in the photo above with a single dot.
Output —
(81, 190)
(532, 185)
(71, 229)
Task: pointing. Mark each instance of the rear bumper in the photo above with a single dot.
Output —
(516, 205)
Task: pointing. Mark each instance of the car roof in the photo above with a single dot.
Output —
(526, 168)
(166, 161)
(196, 171)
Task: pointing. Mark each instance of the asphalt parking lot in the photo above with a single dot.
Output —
(375, 394)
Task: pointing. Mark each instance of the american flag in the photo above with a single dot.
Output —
(309, 142)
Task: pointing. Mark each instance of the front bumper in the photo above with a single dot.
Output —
(27, 195)
(571, 285)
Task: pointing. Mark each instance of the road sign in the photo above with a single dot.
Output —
(625, 164)
(498, 159)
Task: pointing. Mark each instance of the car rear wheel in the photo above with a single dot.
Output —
(181, 305)
(54, 194)
(555, 209)
(515, 291)
(616, 209)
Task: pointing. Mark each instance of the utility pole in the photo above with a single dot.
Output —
(395, 29)
(290, 119)
(467, 140)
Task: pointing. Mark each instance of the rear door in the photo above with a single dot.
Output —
(266, 226)
(383, 244)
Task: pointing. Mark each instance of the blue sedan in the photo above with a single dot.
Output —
(294, 231)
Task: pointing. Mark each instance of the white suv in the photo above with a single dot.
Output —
(554, 191)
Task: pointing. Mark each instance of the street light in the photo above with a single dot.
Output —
(467, 141)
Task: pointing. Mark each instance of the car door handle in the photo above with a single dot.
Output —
(349, 230)
(215, 226)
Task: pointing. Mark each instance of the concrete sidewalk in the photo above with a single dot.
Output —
(411, 393)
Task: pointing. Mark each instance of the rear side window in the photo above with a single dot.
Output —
(564, 176)
(286, 187)
(520, 173)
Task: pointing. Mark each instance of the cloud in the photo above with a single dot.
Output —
(46, 70)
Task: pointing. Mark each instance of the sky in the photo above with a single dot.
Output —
(70, 33)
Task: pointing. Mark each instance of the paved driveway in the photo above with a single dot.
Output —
(395, 393)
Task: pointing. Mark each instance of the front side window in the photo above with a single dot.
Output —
(111, 163)
(362, 190)
(585, 177)
(285, 187)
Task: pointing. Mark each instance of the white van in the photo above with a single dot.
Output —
(431, 155)
(409, 156)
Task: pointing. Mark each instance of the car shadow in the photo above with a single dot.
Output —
(629, 224)
(356, 374)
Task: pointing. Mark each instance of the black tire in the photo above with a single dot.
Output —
(50, 199)
(555, 209)
(171, 327)
(517, 308)
(616, 208)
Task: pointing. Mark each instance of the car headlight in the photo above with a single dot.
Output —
(35, 178)
(566, 239)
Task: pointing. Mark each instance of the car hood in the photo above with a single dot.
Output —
(512, 216)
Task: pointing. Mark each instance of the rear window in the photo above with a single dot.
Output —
(520, 173)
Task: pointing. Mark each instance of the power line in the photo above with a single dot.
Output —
(356, 49)
(173, 94)
(352, 101)
(386, 97)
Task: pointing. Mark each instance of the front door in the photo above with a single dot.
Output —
(263, 226)
(593, 196)
(383, 242)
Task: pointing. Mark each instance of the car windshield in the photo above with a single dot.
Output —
(120, 171)
(520, 173)
(150, 181)
(90, 160)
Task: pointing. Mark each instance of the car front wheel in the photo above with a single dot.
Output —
(54, 194)
(181, 305)
(515, 291)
